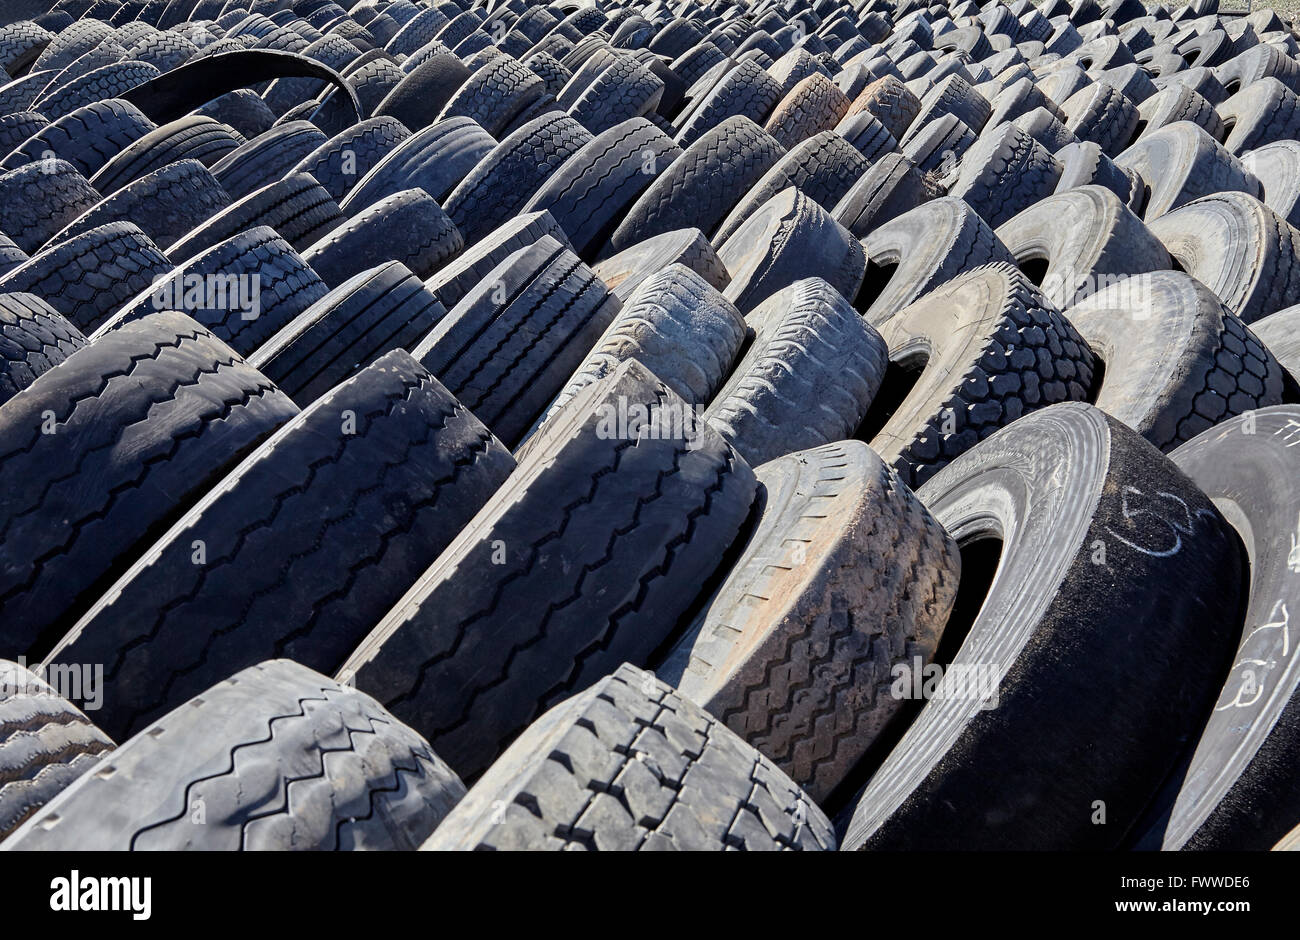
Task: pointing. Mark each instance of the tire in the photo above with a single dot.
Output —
(165, 205)
(698, 188)
(503, 181)
(109, 81)
(937, 149)
(38, 199)
(262, 731)
(164, 51)
(494, 95)
(1262, 113)
(1231, 793)
(205, 408)
(746, 91)
(1102, 114)
(1180, 163)
(1083, 164)
(16, 129)
(1280, 332)
(591, 190)
(920, 250)
(300, 565)
(704, 788)
(1178, 103)
(45, 744)
(454, 280)
(34, 338)
(952, 95)
(72, 43)
(1237, 247)
(195, 138)
(297, 207)
(88, 277)
(1201, 80)
(824, 168)
(408, 227)
(812, 106)
(794, 657)
(583, 600)
(807, 378)
(1018, 99)
(624, 272)
(1004, 173)
(1277, 167)
(675, 324)
(1077, 242)
(241, 110)
(371, 314)
(20, 45)
(1048, 130)
(626, 89)
(1083, 509)
(434, 159)
(344, 160)
(888, 188)
(867, 135)
(279, 286)
(1263, 61)
(546, 67)
(965, 360)
(788, 239)
(509, 345)
(424, 92)
(268, 158)
(87, 138)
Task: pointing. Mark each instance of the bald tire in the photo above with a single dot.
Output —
(266, 729)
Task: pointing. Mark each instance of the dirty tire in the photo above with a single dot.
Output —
(191, 138)
(297, 207)
(266, 730)
(34, 338)
(38, 199)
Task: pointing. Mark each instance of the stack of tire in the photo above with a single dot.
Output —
(699, 425)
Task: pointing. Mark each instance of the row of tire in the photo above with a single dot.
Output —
(516, 366)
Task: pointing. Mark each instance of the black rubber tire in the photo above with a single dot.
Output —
(1237, 247)
(1191, 365)
(1081, 241)
(626, 89)
(191, 138)
(1233, 793)
(454, 280)
(937, 149)
(494, 95)
(787, 239)
(205, 408)
(396, 466)
(373, 313)
(17, 128)
(1178, 103)
(1005, 172)
(966, 359)
(549, 69)
(408, 227)
(109, 81)
(87, 138)
(700, 186)
(1180, 163)
(345, 159)
(506, 178)
(1277, 167)
(88, 277)
(791, 651)
(34, 338)
(20, 45)
(45, 744)
(920, 250)
(806, 379)
(703, 789)
(824, 168)
(264, 160)
(675, 324)
(265, 730)
(511, 343)
(434, 159)
(38, 199)
(1083, 509)
(952, 95)
(425, 91)
(625, 271)
(1083, 164)
(1018, 99)
(1102, 114)
(241, 110)
(1256, 63)
(746, 91)
(285, 287)
(1280, 332)
(165, 204)
(865, 132)
(583, 600)
(592, 190)
(1261, 113)
(890, 187)
(71, 43)
(297, 207)
(1048, 130)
